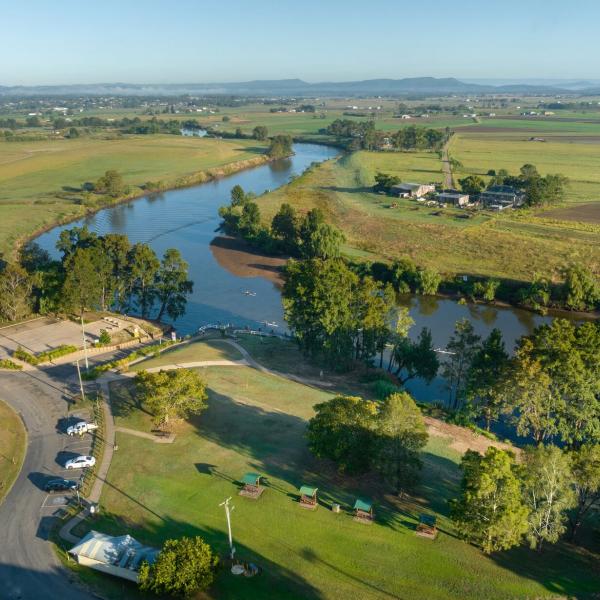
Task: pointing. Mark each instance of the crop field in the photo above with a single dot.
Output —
(256, 422)
(512, 245)
(39, 181)
(579, 162)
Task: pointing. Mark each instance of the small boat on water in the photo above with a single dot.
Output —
(248, 293)
(443, 351)
(270, 323)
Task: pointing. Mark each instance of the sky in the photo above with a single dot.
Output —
(47, 42)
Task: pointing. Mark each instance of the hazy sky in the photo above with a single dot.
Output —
(168, 41)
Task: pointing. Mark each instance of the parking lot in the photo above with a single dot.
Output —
(48, 333)
(72, 446)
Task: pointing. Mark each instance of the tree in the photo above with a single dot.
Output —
(342, 430)
(116, 247)
(586, 484)
(260, 132)
(462, 347)
(83, 285)
(401, 435)
(581, 289)
(76, 237)
(111, 183)
(183, 568)
(249, 222)
(73, 133)
(490, 510)
(384, 181)
(143, 267)
(427, 282)
(15, 292)
(324, 241)
(238, 196)
(472, 185)
(548, 493)
(529, 396)
(172, 285)
(486, 290)
(317, 304)
(486, 371)
(416, 359)
(285, 227)
(171, 394)
(280, 146)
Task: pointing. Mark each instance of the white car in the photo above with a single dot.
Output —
(81, 428)
(80, 462)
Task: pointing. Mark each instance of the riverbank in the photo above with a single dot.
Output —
(241, 259)
(40, 182)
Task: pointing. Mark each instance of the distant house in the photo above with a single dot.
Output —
(499, 197)
(406, 117)
(411, 190)
(454, 197)
(120, 556)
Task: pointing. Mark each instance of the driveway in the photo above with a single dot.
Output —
(29, 568)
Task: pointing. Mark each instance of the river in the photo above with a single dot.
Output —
(187, 219)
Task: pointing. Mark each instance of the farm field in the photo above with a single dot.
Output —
(511, 245)
(579, 162)
(39, 180)
(13, 440)
(256, 422)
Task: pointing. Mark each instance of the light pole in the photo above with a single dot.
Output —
(84, 345)
(80, 380)
(228, 510)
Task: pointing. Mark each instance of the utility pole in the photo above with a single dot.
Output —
(80, 380)
(228, 510)
(87, 366)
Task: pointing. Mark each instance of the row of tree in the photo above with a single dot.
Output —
(363, 135)
(503, 500)
(289, 234)
(95, 272)
(339, 317)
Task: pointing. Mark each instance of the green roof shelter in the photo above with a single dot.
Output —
(427, 526)
(251, 487)
(364, 510)
(308, 497)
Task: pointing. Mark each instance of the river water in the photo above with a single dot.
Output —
(187, 219)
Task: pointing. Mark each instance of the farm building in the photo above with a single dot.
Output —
(499, 197)
(411, 190)
(454, 197)
(120, 556)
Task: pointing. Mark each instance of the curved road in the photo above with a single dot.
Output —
(29, 568)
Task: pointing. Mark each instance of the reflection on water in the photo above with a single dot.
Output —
(187, 219)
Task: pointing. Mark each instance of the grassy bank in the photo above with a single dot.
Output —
(256, 422)
(513, 245)
(40, 181)
(13, 441)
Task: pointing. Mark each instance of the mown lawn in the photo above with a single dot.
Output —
(39, 181)
(256, 422)
(512, 245)
(13, 441)
(202, 350)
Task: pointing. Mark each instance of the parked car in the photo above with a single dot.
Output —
(80, 462)
(61, 485)
(81, 428)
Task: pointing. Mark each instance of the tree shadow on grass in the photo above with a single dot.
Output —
(348, 190)
(564, 569)
(273, 581)
(123, 399)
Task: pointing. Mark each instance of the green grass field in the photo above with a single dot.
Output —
(13, 440)
(37, 179)
(256, 422)
(511, 245)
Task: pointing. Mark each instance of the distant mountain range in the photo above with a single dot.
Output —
(297, 87)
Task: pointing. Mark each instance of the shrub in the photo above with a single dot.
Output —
(104, 338)
(25, 356)
(6, 363)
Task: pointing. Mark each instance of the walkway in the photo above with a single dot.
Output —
(446, 168)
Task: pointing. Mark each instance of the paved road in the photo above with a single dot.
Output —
(29, 568)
